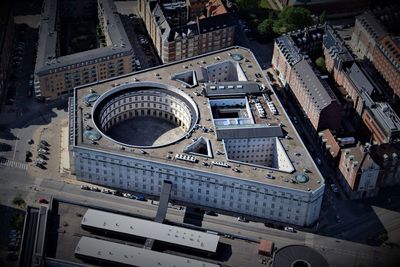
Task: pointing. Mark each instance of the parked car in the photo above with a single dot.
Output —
(85, 187)
(128, 195)
(95, 189)
(41, 161)
(40, 166)
(43, 156)
(289, 229)
(41, 150)
(242, 219)
(141, 198)
(117, 193)
(30, 142)
(43, 201)
(106, 191)
(44, 142)
(211, 213)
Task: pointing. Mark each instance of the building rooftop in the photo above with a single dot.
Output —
(330, 142)
(131, 226)
(384, 116)
(372, 25)
(359, 79)
(318, 90)
(336, 46)
(47, 57)
(292, 149)
(289, 49)
(132, 256)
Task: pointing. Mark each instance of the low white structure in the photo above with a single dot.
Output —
(131, 226)
(107, 251)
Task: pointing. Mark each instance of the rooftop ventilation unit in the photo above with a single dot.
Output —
(220, 163)
(186, 158)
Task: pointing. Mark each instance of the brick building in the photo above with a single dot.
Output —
(296, 71)
(386, 59)
(360, 172)
(189, 28)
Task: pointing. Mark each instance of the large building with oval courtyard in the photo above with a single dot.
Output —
(210, 125)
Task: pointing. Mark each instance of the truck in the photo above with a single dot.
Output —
(265, 247)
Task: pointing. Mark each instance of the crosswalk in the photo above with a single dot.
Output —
(13, 164)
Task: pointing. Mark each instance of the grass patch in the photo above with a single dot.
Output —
(265, 4)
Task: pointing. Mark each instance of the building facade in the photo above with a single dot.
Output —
(7, 28)
(367, 30)
(386, 59)
(312, 93)
(56, 75)
(225, 162)
(360, 172)
(181, 30)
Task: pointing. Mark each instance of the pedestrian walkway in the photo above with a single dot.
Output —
(13, 164)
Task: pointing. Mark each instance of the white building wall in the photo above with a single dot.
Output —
(198, 187)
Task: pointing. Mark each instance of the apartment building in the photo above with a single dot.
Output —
(386, 59)
(183, 29)
(58, 72)
(360, 172)
(7, 28)
(296, 71)
(367, 29)
(368, 168)
(377, 117)
(387, 156)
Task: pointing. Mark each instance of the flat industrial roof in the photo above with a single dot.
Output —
(129, 255)
(148, 229)
(162, 74)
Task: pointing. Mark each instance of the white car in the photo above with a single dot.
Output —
(289, 229)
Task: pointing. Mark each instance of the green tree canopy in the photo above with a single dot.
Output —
(320, 62)
(292, 18)
(247, 5)
(265, 29)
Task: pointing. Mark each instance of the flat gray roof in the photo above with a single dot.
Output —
(47, 58)
(248, 131)
(133, 256)
(231, 88)
(148, 229)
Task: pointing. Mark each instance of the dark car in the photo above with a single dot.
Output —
(40, 166)
(43, 201)
(211, 213)
(117, 193)
(141, 198)
(43, 156)
(44, 142)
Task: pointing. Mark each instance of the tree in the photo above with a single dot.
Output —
(322, 17)
(292, 18)
(247, 7)
(18, 201)
(320, 62)
(265, 29)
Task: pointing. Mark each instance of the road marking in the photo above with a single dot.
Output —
(13, 164)
(309, 240)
